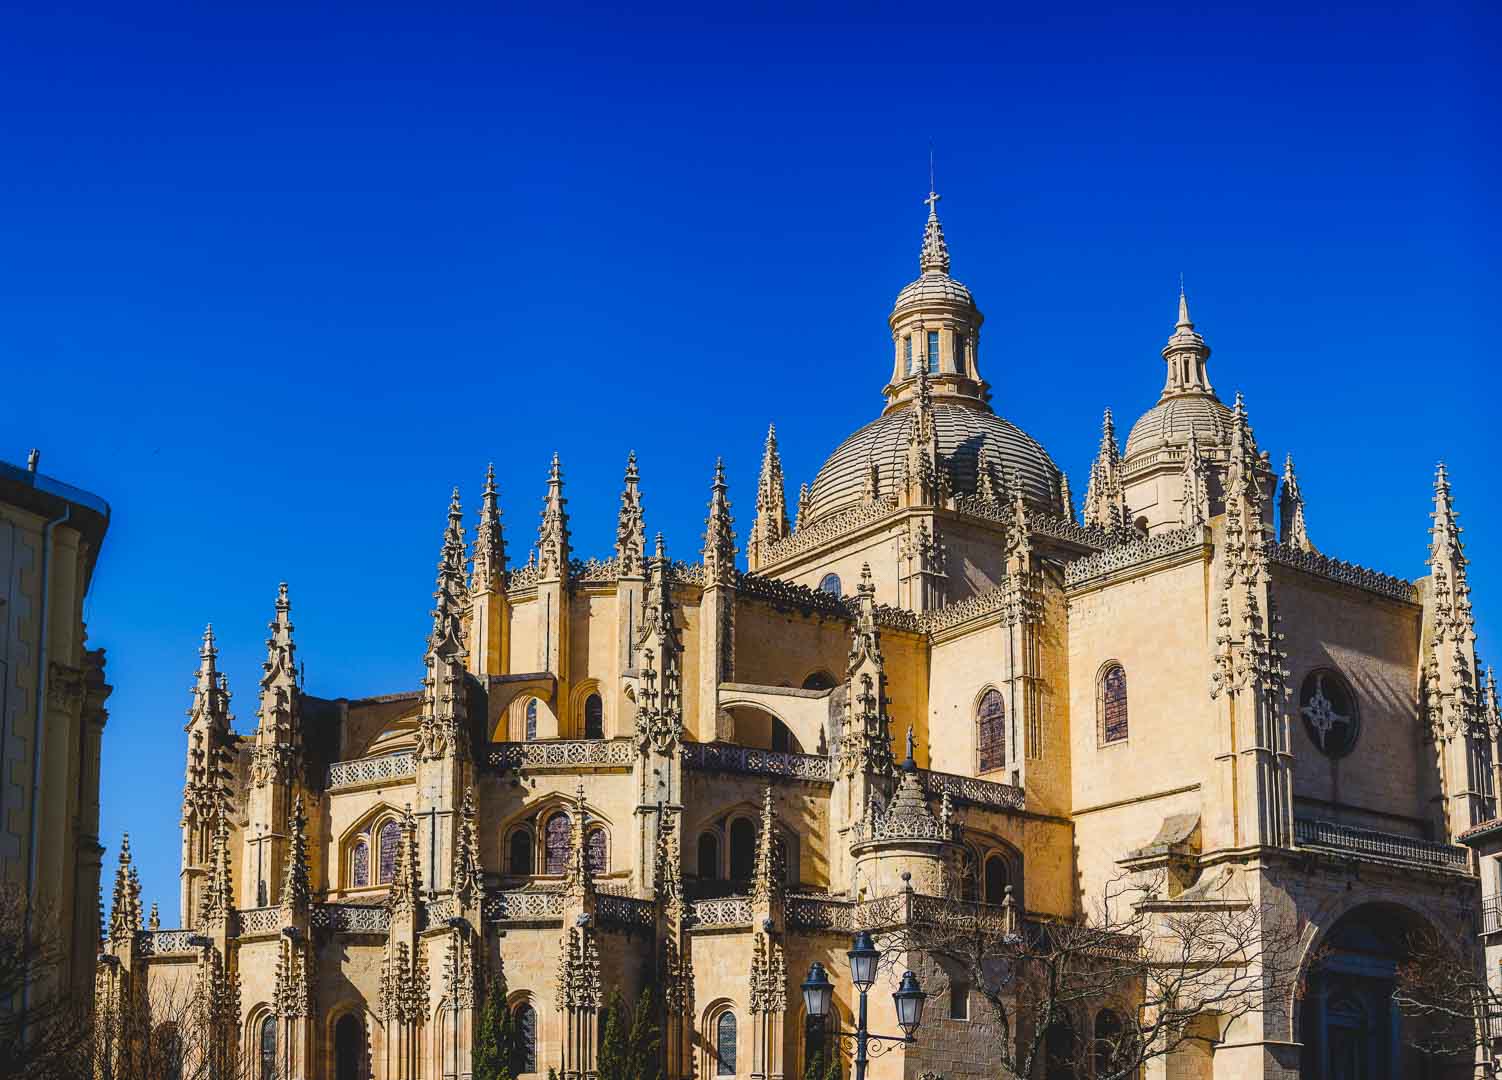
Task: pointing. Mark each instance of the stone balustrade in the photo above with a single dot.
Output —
(1311, 832)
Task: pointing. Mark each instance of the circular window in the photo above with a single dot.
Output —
(1329, 710)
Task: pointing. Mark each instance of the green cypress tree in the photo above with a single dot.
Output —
(494, 1051)
(612, 1061)
(644, 1043)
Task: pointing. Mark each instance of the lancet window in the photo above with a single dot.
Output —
(725, 1045)
(390, 841)
(1113, 704)
(594, 717)
(555, 841)
(991, 725)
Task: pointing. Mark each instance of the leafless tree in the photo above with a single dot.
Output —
(1454, 1014)
(1136, 980)
(44, 1031)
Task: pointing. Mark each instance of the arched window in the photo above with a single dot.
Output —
(818, 1043)
(742, 849)
(520, 861)
(991, 724)
(782, 738)
(267, 1054)
(959, 353)
(724, 1045)
(709, 856)
(1113, 704)
(555, 840)
(594, 717)
(359, 864)
(391, 839)
(996, 879)
(819, 680)
(933, 352)
(349, 1048)
(530, 731)
(526, 1039)
(594, 851)
(1113, 1047)
(907, 354)
(830, 583)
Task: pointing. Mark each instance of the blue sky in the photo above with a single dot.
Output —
(274, 279)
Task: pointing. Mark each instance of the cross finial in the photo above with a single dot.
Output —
(933, 202)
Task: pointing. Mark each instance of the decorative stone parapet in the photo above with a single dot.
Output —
(1309, 562)
(562, 754)
(1134, 553)
(346, 774)
(967, 789)
(728, 757)
(1311, 832)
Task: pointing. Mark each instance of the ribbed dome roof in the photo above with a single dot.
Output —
(966, 435)
(932, 289)
(1169, 423)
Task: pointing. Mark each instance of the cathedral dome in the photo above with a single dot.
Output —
(1170, 421)
(967, 437)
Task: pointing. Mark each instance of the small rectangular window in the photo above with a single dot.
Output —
(933, 352)
(959, 1000)
(959, 353)
(907, 343)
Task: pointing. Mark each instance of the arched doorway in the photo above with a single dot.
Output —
(1350, 1025)
(349, 1048)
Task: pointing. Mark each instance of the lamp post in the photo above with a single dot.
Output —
(908, 998)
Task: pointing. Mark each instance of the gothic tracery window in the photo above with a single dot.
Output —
(830, 583)
(391, 838)
(709, 857)
(742, 849)
(997, 879)
(594, 851)
(555, 841)
(359, 864)
(1113, 704)
(1330, 713)
(724, 1043)
(519, 862)
(526, 1039)
(991, 721)
(530, 729)
(267, 1054)
(594, 717)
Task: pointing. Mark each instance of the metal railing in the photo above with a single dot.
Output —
(1491, 915)
(1315, 833)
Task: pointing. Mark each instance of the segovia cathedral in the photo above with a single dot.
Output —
(934, 686)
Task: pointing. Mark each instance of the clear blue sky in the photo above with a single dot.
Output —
(274, 279)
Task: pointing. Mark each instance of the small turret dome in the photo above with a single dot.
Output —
(1188, 403)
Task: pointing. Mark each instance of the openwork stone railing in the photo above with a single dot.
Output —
(261, 920)
(352, 918)
(1314, 833)
(370, 770)
(1309, 562)
(786, 594)
(686, 573)
(820, 913)
(839, 524)
(877, 826)
(1061, 528)
(724, 911)
(594, 570)
(991, 602)
(159, 942)
(523, 906)
(625, 911)
(727, 757)
(1134, 553)
(967, 789)
(562, 753)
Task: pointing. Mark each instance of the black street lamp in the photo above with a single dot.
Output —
(908, 998)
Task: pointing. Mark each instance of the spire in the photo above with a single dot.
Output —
(871, 487)
(659, 698)
(1447, 561)
(719, 532)
(578, 874)
(279, 691)
(1186, 355)
(125, 905)
(935, 256)
(406, 881)
(1194, 499)
(552, 534)
(771, 498)
(441, 725)
(768, 875)
(209, 727)
(217, 901)
(1295, 532)
(1105, 498)
(468, 875)
(1066, 497)
(210, 708)
(1244, 474)
(296, 887)
(490, 541)
(630, 530)
(804, 508)
(926, 476)
(154, 922)
(866, 737)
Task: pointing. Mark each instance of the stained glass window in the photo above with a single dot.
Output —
(742, 849)
(992, 724)
(724, 1045)
(830, 583)
(594, 851)
(268, 1048)
(907, 344)
(391, 839)
(1113, 704)
(359, 864)
(531, 729)
(526, 1039)
(555, 838)
(933, 352)
(521, 853)
(594, 717)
